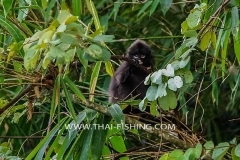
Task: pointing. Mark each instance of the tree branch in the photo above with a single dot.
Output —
(165, 134)
(213, 16)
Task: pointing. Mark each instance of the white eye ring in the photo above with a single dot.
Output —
(135, 56)
(142, 56)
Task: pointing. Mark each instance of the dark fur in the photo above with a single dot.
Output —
(128, 79)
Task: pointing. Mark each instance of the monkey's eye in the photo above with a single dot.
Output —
(135, 56)
(143, 56)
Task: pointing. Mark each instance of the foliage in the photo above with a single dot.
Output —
(54, 51)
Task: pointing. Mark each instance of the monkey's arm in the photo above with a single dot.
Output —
(123, 72)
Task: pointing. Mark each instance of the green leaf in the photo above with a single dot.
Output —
(31, 58)
(168, 101)
(235, 21)
(68, 39)
(143, 104)
(176, 153)
(93, 80)
(95, 51)
(104, 38)
(162, 90)
(184, 26)
(42, 146)
(74, 88)
(65, 17)
(7, 5)
(224, 44)
(194, 19)
(117, 114)
(116, 140)
(164, 157)
(81, 59)
(154, 6)
(153, 108)
(198, 150)
(237, 150)
(87, 138)
(220, 150)
(109, 68)
(146, 5)
(190, 154)
(151, 94)
(16, 33)
(205, 41)
(117, 5)
(93, 11)
(77, 7)
(165, 5)
(233, 154)
(71, 134)
(69, 100)
(55, 97)
(185, 74)
(99, 137)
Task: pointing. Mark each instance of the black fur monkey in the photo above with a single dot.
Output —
(128, 78)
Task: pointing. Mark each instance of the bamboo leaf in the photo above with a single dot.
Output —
(94, 78)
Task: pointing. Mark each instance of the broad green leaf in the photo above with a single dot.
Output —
(7, 5)
(104, 38)
(74, 88)
(165, 5)
(156, 77)
(146, 5)
(164, 157)
(198, 150)
(65, 17)
(191, 33)
(184, 27)
(42, 146)
(31, 58)
(168, 101)
(237, 150)
(117, 114)
(93, 80)
(220, 150)
(147, 80)
(17, 66)
(185, 74)
(194, 19)
(161, 91)
(154, 6)
(95, 51)
(233, 154)
(176, 153)
(68, 39)
(116, 140)
(153, 108)
(151, 94)
(190, 154)
(205, 41)
(235, 21)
